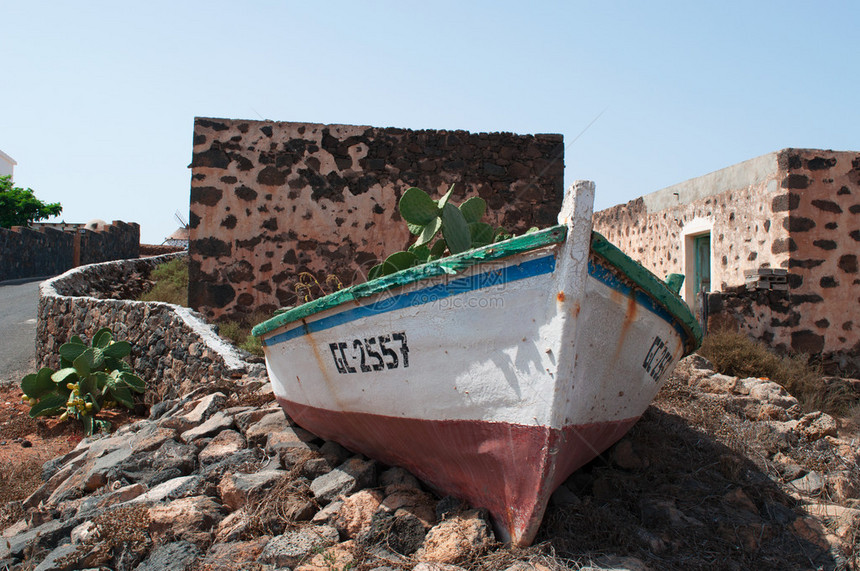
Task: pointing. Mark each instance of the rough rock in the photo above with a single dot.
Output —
(766, 391)
(259, 431)
(356, 512)
(172, 489)
(397, 478)
(289, 549)
(412, 500)
(810, 484)
(236, 490)
(350, 476)
(719, 384)
(175, 556)
(186, 518)
(456, 539)
(233, 555)
(223, 445)
(246, 418)
(114, 497)
(200, 411)
(816, 425)
(338, 556)
(213, 425)
(63, 558)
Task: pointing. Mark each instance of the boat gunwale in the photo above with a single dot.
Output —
(450, 265)
(643, 279)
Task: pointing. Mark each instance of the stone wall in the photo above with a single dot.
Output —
(27, 253)
(270, 200)
(778, 318)
(797, 209)
(38, 252)
(118, 241)
(823, 206)
(173, 347)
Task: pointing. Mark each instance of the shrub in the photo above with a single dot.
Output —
(171, 283)
(735, 354)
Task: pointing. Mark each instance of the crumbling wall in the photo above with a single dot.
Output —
(39, 252)
(270, 200)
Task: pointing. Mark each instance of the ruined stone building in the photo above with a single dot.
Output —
(281, 211)
(774, 239)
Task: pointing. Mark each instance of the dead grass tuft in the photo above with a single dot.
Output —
(735, 354)
(238, 332)
(17, 482)
(283, 506)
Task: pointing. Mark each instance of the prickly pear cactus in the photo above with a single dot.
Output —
(461, 230)
(90, 378)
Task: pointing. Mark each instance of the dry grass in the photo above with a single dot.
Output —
(17, 481)
(238, 332)
(171, 283)
(736, 354)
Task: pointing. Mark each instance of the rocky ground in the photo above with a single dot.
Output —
(720, 473)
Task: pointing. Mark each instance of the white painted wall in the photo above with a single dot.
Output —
(7, 164)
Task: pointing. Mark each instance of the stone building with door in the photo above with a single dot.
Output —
(773, 243)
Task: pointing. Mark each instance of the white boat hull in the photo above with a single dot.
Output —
(493, 384)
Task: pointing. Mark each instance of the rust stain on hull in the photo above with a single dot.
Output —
(629, 318)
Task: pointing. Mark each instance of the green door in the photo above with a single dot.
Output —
(702, 245)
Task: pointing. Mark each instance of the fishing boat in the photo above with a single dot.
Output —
(493, 374)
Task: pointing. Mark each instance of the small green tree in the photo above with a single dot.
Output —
(20, 207)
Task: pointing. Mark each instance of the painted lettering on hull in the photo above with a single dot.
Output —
(658, 359)
(371, 353)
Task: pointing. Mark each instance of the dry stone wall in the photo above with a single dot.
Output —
(38, 252)
(173, 347)
(270, 200)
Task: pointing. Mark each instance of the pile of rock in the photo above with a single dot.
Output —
(783, 429)
(720, 470)
(205, 486)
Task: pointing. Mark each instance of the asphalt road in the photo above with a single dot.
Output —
(18, 306)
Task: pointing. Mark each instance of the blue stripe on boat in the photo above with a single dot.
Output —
(531, 268)
(528, 269)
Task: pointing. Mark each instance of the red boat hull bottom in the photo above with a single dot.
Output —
(509, 469)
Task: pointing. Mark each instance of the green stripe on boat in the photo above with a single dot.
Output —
(644, 279)
(450, 265)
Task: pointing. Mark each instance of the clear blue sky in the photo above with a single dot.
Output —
(98, 98)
